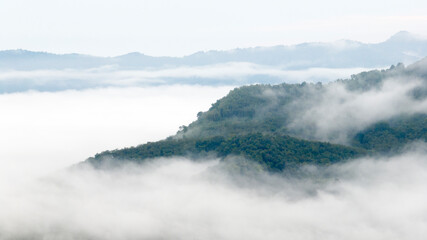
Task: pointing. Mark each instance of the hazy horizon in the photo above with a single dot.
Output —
(339, 42)
(166, 27)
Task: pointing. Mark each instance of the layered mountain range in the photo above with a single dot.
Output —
(401, 47)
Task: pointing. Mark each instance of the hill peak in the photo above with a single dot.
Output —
(402, 36)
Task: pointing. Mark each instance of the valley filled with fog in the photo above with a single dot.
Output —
(43, 197)
(62, 117)
(177, 198)
(213, 120)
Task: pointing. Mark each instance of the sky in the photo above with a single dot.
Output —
(177, 28)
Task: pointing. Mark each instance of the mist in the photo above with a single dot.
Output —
(45, 195)
(178, 198)
(47, 131)
(337, 113)
(235, 74)
(78, 113)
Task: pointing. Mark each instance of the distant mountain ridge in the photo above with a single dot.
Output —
(401, 47)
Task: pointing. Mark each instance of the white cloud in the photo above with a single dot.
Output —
(236, 73)
(45, 131)
(337, 113)
(180, 199)
(380, 198)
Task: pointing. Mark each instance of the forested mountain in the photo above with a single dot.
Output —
(284, 126)
(401, 47)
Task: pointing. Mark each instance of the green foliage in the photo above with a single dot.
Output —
(373, 79)
(251, 122)
(274, 152)
(249, 109)
(240, 102)
(393, 134)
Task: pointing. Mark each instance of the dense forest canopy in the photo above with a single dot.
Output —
(287, 125)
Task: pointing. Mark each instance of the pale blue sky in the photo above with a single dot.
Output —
(175, 28)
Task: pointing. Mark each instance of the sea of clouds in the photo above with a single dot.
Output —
(177, 198)
(236, 74)
(46, 131)
(41, 197)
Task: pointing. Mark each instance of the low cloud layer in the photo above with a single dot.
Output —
(211, 75)
(375, 198)
(44, 131)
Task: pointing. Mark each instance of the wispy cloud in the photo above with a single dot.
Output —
(337, 113)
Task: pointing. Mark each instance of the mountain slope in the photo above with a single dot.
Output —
(273, 152)
(283, 126)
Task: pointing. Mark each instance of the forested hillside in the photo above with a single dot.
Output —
(287, 125)
(272, 151)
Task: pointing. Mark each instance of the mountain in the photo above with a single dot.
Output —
(402, 47)
(285, 126)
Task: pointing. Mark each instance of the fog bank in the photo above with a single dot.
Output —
(236, 74)
(382, 198)
(43, 131)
